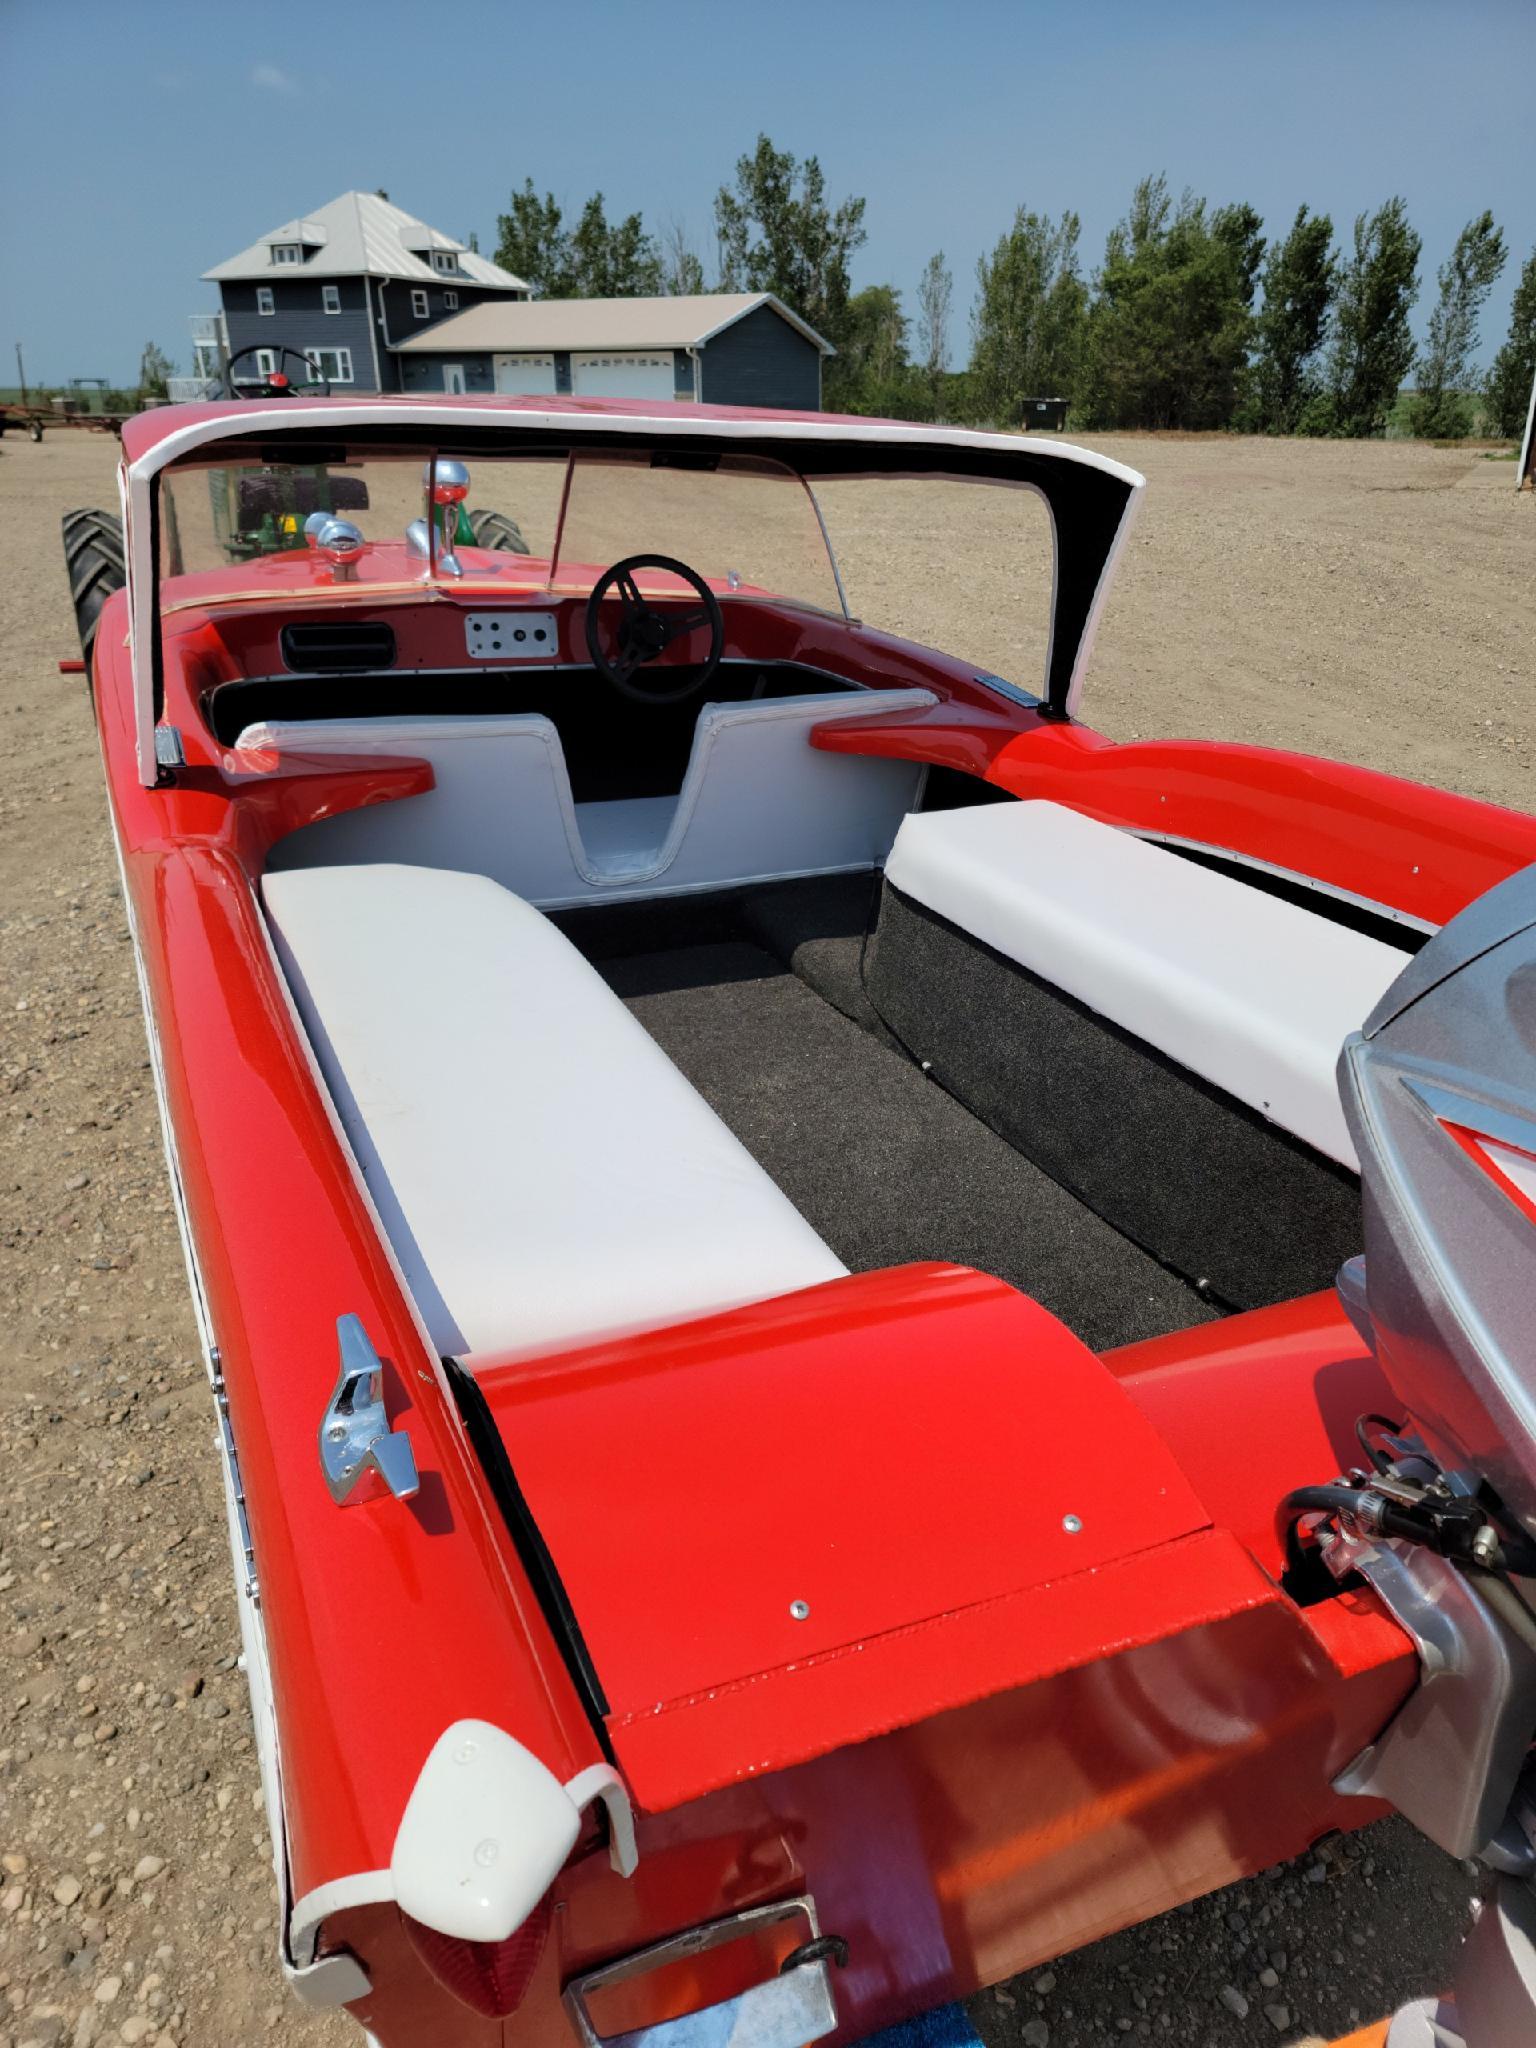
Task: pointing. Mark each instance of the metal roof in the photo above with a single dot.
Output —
(542, 324)
(362, 235)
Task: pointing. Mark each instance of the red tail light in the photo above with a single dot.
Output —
(491, 1977)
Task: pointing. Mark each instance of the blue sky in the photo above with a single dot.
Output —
(140, 143)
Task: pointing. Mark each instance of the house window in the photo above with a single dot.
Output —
(266, 362)
(419, 305)
(285, 252)
(445, 263)
(335, 364)
(264, 300)
(453, 378)
(330, 297)
(450, 302)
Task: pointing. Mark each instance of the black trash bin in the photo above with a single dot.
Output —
(1044, 412)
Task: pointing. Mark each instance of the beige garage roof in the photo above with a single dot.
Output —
(513, 326)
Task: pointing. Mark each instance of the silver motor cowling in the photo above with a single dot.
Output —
(1440, 1093)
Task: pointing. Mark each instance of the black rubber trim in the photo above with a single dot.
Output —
(1320, 902)
(531, 1547)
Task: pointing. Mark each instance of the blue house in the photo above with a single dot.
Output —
(344, 286)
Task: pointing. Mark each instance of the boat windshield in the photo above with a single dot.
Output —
(544, 522)
(961, 564)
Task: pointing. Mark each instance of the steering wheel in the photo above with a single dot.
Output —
(645, 632)
(276, 383)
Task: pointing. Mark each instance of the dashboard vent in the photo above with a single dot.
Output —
(323, 649)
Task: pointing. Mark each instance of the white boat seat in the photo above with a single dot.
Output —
(500, 804)
(758, 801)
(1251, 993)
(542, 1170)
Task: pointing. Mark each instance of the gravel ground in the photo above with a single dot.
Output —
(1365, 602)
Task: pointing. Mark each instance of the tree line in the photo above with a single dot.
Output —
(1193, 318)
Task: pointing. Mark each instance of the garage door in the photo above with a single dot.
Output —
(622, 375)
(518, 374)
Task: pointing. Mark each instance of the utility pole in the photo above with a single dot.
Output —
(22, 374)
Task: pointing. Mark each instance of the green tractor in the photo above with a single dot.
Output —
(263, 511)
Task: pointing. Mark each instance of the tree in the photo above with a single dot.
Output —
(872, 361)
(598, 259)
(1167, 340)
(155, 368)
(777, 233)
(612, 260)
(934, 293)
(1372, 345)
(1028, 323)
(682, 273)
(1300, 279)
(1239, 229)
(1508, 389)
(1438, 412)
(532, 243)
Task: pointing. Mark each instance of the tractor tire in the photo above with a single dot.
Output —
(35, 430)
(496, 530)
(96, 566)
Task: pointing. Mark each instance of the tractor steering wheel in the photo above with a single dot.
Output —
(275, 384)
(644, 632)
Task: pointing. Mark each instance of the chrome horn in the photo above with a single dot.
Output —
(446, 483)
(341, 543)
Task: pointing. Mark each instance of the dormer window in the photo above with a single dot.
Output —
(287, 252)
(445, 263)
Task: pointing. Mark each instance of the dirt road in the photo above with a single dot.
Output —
(1370, 602)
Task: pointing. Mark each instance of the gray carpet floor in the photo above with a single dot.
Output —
(877, 1158)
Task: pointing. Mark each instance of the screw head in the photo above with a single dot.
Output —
(1073, 1524)
(800, 1610)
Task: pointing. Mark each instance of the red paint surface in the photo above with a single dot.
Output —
(1414, 849)
(878, 1448)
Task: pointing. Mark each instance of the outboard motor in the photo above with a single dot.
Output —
(1440, 1093)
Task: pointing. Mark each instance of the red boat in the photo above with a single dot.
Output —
(776, 1236)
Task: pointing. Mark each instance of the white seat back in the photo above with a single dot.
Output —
(501, 805)
(758, 802)
(759, 799)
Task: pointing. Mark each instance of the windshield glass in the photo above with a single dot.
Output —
(955, 563)
(747, 525)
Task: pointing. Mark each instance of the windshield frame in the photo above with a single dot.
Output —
(1093, 498)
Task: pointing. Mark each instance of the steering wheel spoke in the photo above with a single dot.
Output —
(646, 630)
(680, 624)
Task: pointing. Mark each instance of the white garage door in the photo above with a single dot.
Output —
(622, 375)
(519, 374)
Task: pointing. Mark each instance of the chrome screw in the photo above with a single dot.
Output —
(800, 1610)
(1073, 1524)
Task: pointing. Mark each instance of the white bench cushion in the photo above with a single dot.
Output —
(1253, 994)
(542, 1170)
